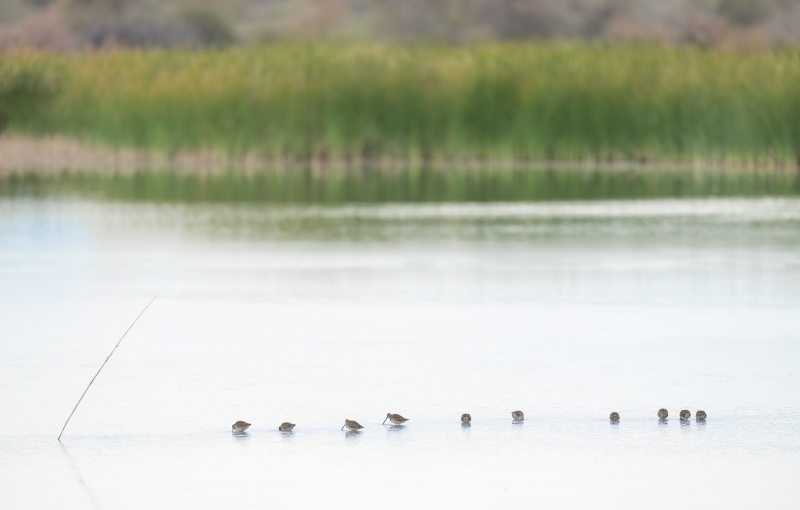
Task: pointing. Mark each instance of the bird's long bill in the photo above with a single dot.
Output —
(342, 427)
(384, 420)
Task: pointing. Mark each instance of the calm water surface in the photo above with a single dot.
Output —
(310, 314)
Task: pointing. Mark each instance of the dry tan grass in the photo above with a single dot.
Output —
(52, 156)
(58, 155)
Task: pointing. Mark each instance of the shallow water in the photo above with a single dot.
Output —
(315, 314)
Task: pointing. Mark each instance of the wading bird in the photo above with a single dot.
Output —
(351, 425)
(685, 415)
(286, 427)
(614, 417)
(466, 419)
(239, 426)
(395, 419)
(662, 414)
(700, 416)
(517, 415)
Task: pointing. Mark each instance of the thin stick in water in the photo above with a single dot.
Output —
(101, 367)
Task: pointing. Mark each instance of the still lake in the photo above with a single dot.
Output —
(313, 314)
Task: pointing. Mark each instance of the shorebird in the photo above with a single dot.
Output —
(685, 415)
(662, 414)
(351, 425)
(466, 419)
(517, 415)
(700, 416)
(395, 418)
(286, 427)
(239, 426)
(614, 417)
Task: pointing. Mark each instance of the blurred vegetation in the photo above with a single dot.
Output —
(25, 92)
(412, 185)
(79, 24)
(521, 101)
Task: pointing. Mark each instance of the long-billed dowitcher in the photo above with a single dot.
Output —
(395, 419)
(239, 426)
(351, 425)
(517, 415)
(700, 416)
(685, 415)
(466, 418)
(614, 417)
(286, 427)
(662, 414)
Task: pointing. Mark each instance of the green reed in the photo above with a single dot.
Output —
(413, 185)
(25, 92)
(501, 101)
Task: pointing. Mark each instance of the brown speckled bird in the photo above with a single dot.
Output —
(351, 425)
(239, 426)
(662, 414)
(395, 419)
(517, 415)
(466, 419)
(614, 417)
(700, 416)
(286, 427)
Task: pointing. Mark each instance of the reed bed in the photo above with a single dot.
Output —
(305, 186)
(326, 101)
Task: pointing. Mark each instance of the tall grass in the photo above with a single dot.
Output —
(500, 101)
(25, 92)
(303, 186)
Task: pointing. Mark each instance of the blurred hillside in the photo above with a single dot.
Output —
(79, 24)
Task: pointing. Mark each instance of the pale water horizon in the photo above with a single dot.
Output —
(313, 314)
